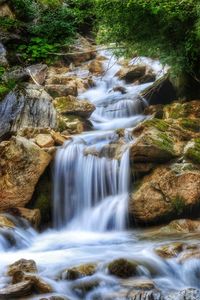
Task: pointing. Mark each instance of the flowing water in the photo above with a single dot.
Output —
(90, 205)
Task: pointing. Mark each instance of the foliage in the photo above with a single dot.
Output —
(168, 29)
(178, 204)
(8, 24)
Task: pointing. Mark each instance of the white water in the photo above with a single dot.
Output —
(90, 208)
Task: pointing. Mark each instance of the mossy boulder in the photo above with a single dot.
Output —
(79, 271)
(122, 268)
(178, 110)
(167, 193)
(192, 150)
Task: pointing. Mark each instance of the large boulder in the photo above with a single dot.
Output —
(132, 73)
(70, 105)
(21, 165)
(30, 106)
(166, 193)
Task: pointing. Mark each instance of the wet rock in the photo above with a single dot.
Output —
(61, 90)
(138, 283)
(38, 284)
(70, 105)
(27, 107)
(135, 294)
(23, 265)
(190, 110)
(44, 140)
(18, 290)
(83, 286)
(3, 58)
(6, 222)
(132, 73)
(182, 226)
(33, 216)
(96, 67)
(120, 89)
(166, 193)
(37, 73)
(21, 165)
(169, 250)
(189, 254)
(122, 268)
(161, 91)
(79, 271)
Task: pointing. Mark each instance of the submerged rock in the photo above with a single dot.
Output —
(166, 193)
(122, 268)
(79, 271)
(27, 107)
(21, 165)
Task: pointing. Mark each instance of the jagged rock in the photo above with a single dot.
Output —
(28, 107)
(70, 105)
(38, 284)
(33, 216)
(37, 73)
(3, 58)
(23, 265)
(169, 250)
(132, 73)
(166, 193)
(96, 67)
(18, 290)
(79, 271)
(122, 268)
(178, 110)
(44, 140)
(21, 165)
(6, 222)
(61, 90)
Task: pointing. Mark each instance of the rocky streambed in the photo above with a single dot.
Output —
(88, 155)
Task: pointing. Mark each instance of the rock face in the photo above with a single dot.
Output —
(166, 193)
(28, 107)
(21, 165)
(70, 105)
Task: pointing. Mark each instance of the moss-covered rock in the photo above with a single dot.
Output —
(178, 110)
(192, 150)
(80, 271)
(122, 268)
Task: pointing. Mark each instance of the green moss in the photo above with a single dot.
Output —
(3, 91)
(178, 204)
(176, 111)
(159, 124)
(191, 124)
(164, 142)
(193, 152)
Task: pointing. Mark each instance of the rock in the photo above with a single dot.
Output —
(83, 286)
(3, 58)
(135, 294)
(169, 250)
(44, 140)
(23, 265)
(154, 142)
(182, 226)
(138, 283)
(189, 110)
(38, 284)
(70, 105)
(120, 89)
(16, 74)
(33, 216)
(189, 254)
(21, 165)
(59, 90)
(161, 91)
(192, 151)
(28, 107)
(148, 77)
(122, 268)
(166, 193)
(155, 110)
(79, 271)
(6, 222)
(96, 67)
(71, 124)
(38, 73)
(18, 290)
(59, 139)
(132, 73)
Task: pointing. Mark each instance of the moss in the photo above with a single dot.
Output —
(193, 152)
(176, 111)
(3, 91)
(159, 124)
(191, 124)
(178, 204)
(164, 142)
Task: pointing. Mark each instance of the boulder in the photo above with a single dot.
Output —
(5, 222)
(182, 226)
(23, 265)
(37, 73)
(70, 105)
(189, 110)
(18, 290)
(122, 268)
(16, 73)
(44, 140)
(96, 67)
(132, 73)
(27, 107)
(21, 165)
(166, 193)
(79, 271)
(70, 124)
(62, 90)
(169, 250)
(33, 216)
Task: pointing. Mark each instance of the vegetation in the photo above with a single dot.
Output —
(166, 29)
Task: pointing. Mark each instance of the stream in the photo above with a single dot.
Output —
(91, 191)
